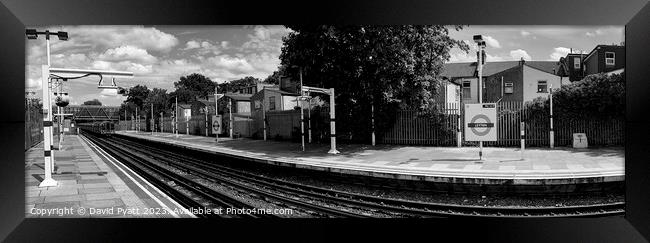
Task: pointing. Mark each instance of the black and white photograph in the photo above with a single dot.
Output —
(325, 121)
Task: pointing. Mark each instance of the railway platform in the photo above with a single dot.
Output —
(500, 166)
(91, 184)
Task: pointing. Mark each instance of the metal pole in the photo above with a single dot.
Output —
(206, 122)
(47, 128)
(58, 108)
(523, 142)
(309, 118)
(480, 90)
(372, 118)
(49, 89)
(216, 110)
(187, 125)
(551, 136)
(137, 123)
(302, 115)
(152, 120)
(230, 125)
(176, 118)
(162, 124)
(332, 124)
(264, 119)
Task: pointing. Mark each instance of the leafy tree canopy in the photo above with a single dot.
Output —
(234, 85)
(92, 102)
(137, 95)
(196, 84)
(390, 64)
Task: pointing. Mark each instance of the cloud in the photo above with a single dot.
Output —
(192, 45)
(559, 52)
(524, 33)
(490, 41)
(590, 34)
(108, 92)
(519, 54)
(128, 52)
(240, 65)
(456, 55)
(84, 38)
(33, 84)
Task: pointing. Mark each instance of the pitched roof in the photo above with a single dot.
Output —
(185, 106)
(236, 96)
(491, 68)
(551, 67)
(469, 69)
(464, 69)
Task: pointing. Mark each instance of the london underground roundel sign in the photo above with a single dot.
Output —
(481, 122)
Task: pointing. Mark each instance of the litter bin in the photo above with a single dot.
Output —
(580, 140)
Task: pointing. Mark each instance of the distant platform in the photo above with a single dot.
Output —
(90, 184)
(500, 166)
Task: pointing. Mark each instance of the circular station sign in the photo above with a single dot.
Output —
(216, 124)
(480, 122)
(481, 125)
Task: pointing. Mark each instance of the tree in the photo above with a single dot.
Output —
(390, 66)
(234, 85)
(137, 95)
(196, 84)
(160, 100)
(274, 78)
(92, 102)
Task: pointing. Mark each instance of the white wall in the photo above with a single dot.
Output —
(473, 88)
(531, 76)
(289, 102)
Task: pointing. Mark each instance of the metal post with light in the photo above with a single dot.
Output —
(152, 120)
(230, 125)
(176, 117)
(551, 134)
(302, 115)
(329, 92)
(217, 96)
(47, 74)
(480, 61)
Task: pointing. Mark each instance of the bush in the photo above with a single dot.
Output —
(597, 96)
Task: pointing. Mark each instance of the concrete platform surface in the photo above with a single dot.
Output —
(540, 166)
(88, 186)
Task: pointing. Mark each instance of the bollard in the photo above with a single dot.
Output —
(523, 140)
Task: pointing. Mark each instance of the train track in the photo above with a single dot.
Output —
(259, 184)
(188, 192)
(150, 158)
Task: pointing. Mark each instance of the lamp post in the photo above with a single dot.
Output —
(32, 34)
(480, 61)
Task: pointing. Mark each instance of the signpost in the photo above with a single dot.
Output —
(216, 124)
(481, 123)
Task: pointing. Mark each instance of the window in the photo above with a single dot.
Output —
(542, 86)
(508, 88)
(576, 63)
(272, 103)
(467, 91)
(609, 58)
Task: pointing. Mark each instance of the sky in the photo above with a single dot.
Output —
(159, 55)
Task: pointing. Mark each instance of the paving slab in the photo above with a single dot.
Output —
(85, 180)
(539, 166)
